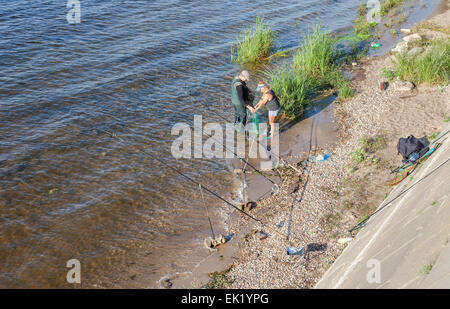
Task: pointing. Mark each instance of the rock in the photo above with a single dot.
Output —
(405, 31)
(167, 283)
(432, 35)
(415, 51)
(412, 38)
(402, 86)
(401, 47)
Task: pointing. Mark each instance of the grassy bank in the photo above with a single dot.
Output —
(314, 68)
(254, 44)
(431, 66)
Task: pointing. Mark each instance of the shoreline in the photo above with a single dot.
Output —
(250, 260)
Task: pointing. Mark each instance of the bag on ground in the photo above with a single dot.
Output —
(411, 147)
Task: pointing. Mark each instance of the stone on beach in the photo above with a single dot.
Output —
(433, 35)
(405, 31)
(412, 38)
(401, 47)
(402, 86)
(415, 51)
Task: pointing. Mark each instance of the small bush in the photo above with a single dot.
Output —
(255, 44)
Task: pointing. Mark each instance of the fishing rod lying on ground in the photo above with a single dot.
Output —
(363, 222)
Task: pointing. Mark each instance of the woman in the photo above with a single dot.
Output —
(270, 100)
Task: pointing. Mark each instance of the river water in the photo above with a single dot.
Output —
(84, 107)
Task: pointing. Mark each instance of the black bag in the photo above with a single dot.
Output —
(410, 145)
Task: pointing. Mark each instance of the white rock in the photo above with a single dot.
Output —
(401, 47)
(412, 38)
(405, 31)
(401, 85)
(415, 51)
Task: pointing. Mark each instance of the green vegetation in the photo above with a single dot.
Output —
(254, 44)
(432, 67)
(427, 269)
(292, 89)
(362, 25)
(368, 146)
(314, 68)
(219, 280)
(434, 135)
(447, 118)
(316, 56)
(434, 203)
(387, 5)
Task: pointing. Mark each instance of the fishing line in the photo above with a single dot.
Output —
(279, 157)
(206, 209)
(361, 224)
(208, 190)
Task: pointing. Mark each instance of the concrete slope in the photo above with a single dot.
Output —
(405, 245)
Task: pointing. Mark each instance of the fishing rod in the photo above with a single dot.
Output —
(210, 136)
(362, 223)
(247, 163)
(279, 157)
(266, 225)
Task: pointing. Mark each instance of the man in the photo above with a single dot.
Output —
(241, 98)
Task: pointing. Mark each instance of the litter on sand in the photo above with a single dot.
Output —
(213, 243)
(375, 45)
(295, 251)
(321, 157)
(346, 240)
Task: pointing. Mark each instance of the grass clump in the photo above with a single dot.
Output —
(219, 280)
(387, 5)
(427, 269)
(316, 56)
(255, 44)
(432, 67)
(292, 89)
(362, 26)
(434, 135)
(314, 68)
(367, 147)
